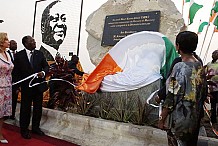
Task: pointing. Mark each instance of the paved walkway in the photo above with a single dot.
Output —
(206, 141)
(12, 134)
(203, 140)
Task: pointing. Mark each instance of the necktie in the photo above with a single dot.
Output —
(31, 58)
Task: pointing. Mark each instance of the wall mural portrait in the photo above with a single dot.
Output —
(56, 27)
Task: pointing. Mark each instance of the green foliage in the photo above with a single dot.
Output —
(127, 106)
(123, 108)
(85, 103)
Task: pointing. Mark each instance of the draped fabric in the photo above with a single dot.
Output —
(135, 61)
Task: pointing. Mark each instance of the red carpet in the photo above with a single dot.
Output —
(12, 134)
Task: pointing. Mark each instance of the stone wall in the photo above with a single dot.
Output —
(90, 131)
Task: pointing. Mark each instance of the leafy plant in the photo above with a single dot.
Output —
(84, 104)
(63, 99)
(122, 110)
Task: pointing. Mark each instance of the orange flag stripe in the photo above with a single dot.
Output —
(92, 82)
(212, 17)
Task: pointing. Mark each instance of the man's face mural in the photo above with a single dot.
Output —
(53, 25)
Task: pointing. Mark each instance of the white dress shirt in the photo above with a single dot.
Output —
(28, 52)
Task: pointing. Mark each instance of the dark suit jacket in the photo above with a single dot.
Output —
(15, 87)
(12, 59)
(23, 69)
(47, 54)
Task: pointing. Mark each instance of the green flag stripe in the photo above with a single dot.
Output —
(201, 27)
(216, 22)
(171, 54)
(215, 8)
(187, 1)
(193, 10)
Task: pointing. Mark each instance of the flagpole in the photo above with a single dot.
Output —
(208, 48)
(183, 8)
(204, 38)
(206, 31)
(190, 4)
(80, 23)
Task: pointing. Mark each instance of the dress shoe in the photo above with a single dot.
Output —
(4, 141)
(12, 117)
(25, 134)
(6, 117)
(38, 132)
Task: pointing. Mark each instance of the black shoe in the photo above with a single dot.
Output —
(38, 132)
(12, 117)
(25, 134)
(6, 117)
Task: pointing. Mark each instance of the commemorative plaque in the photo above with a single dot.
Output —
(119, 26)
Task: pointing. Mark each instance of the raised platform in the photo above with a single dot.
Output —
(89, 131)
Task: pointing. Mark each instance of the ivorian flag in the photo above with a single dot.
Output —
(185, 1)
(213, 16)
(194, 7)
(134, 62)
(201, 27)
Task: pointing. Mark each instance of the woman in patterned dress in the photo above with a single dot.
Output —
(186, 91)
(6, 67)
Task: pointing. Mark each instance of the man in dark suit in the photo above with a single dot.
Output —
(15, 89)
(12, 49)
(27, 62)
